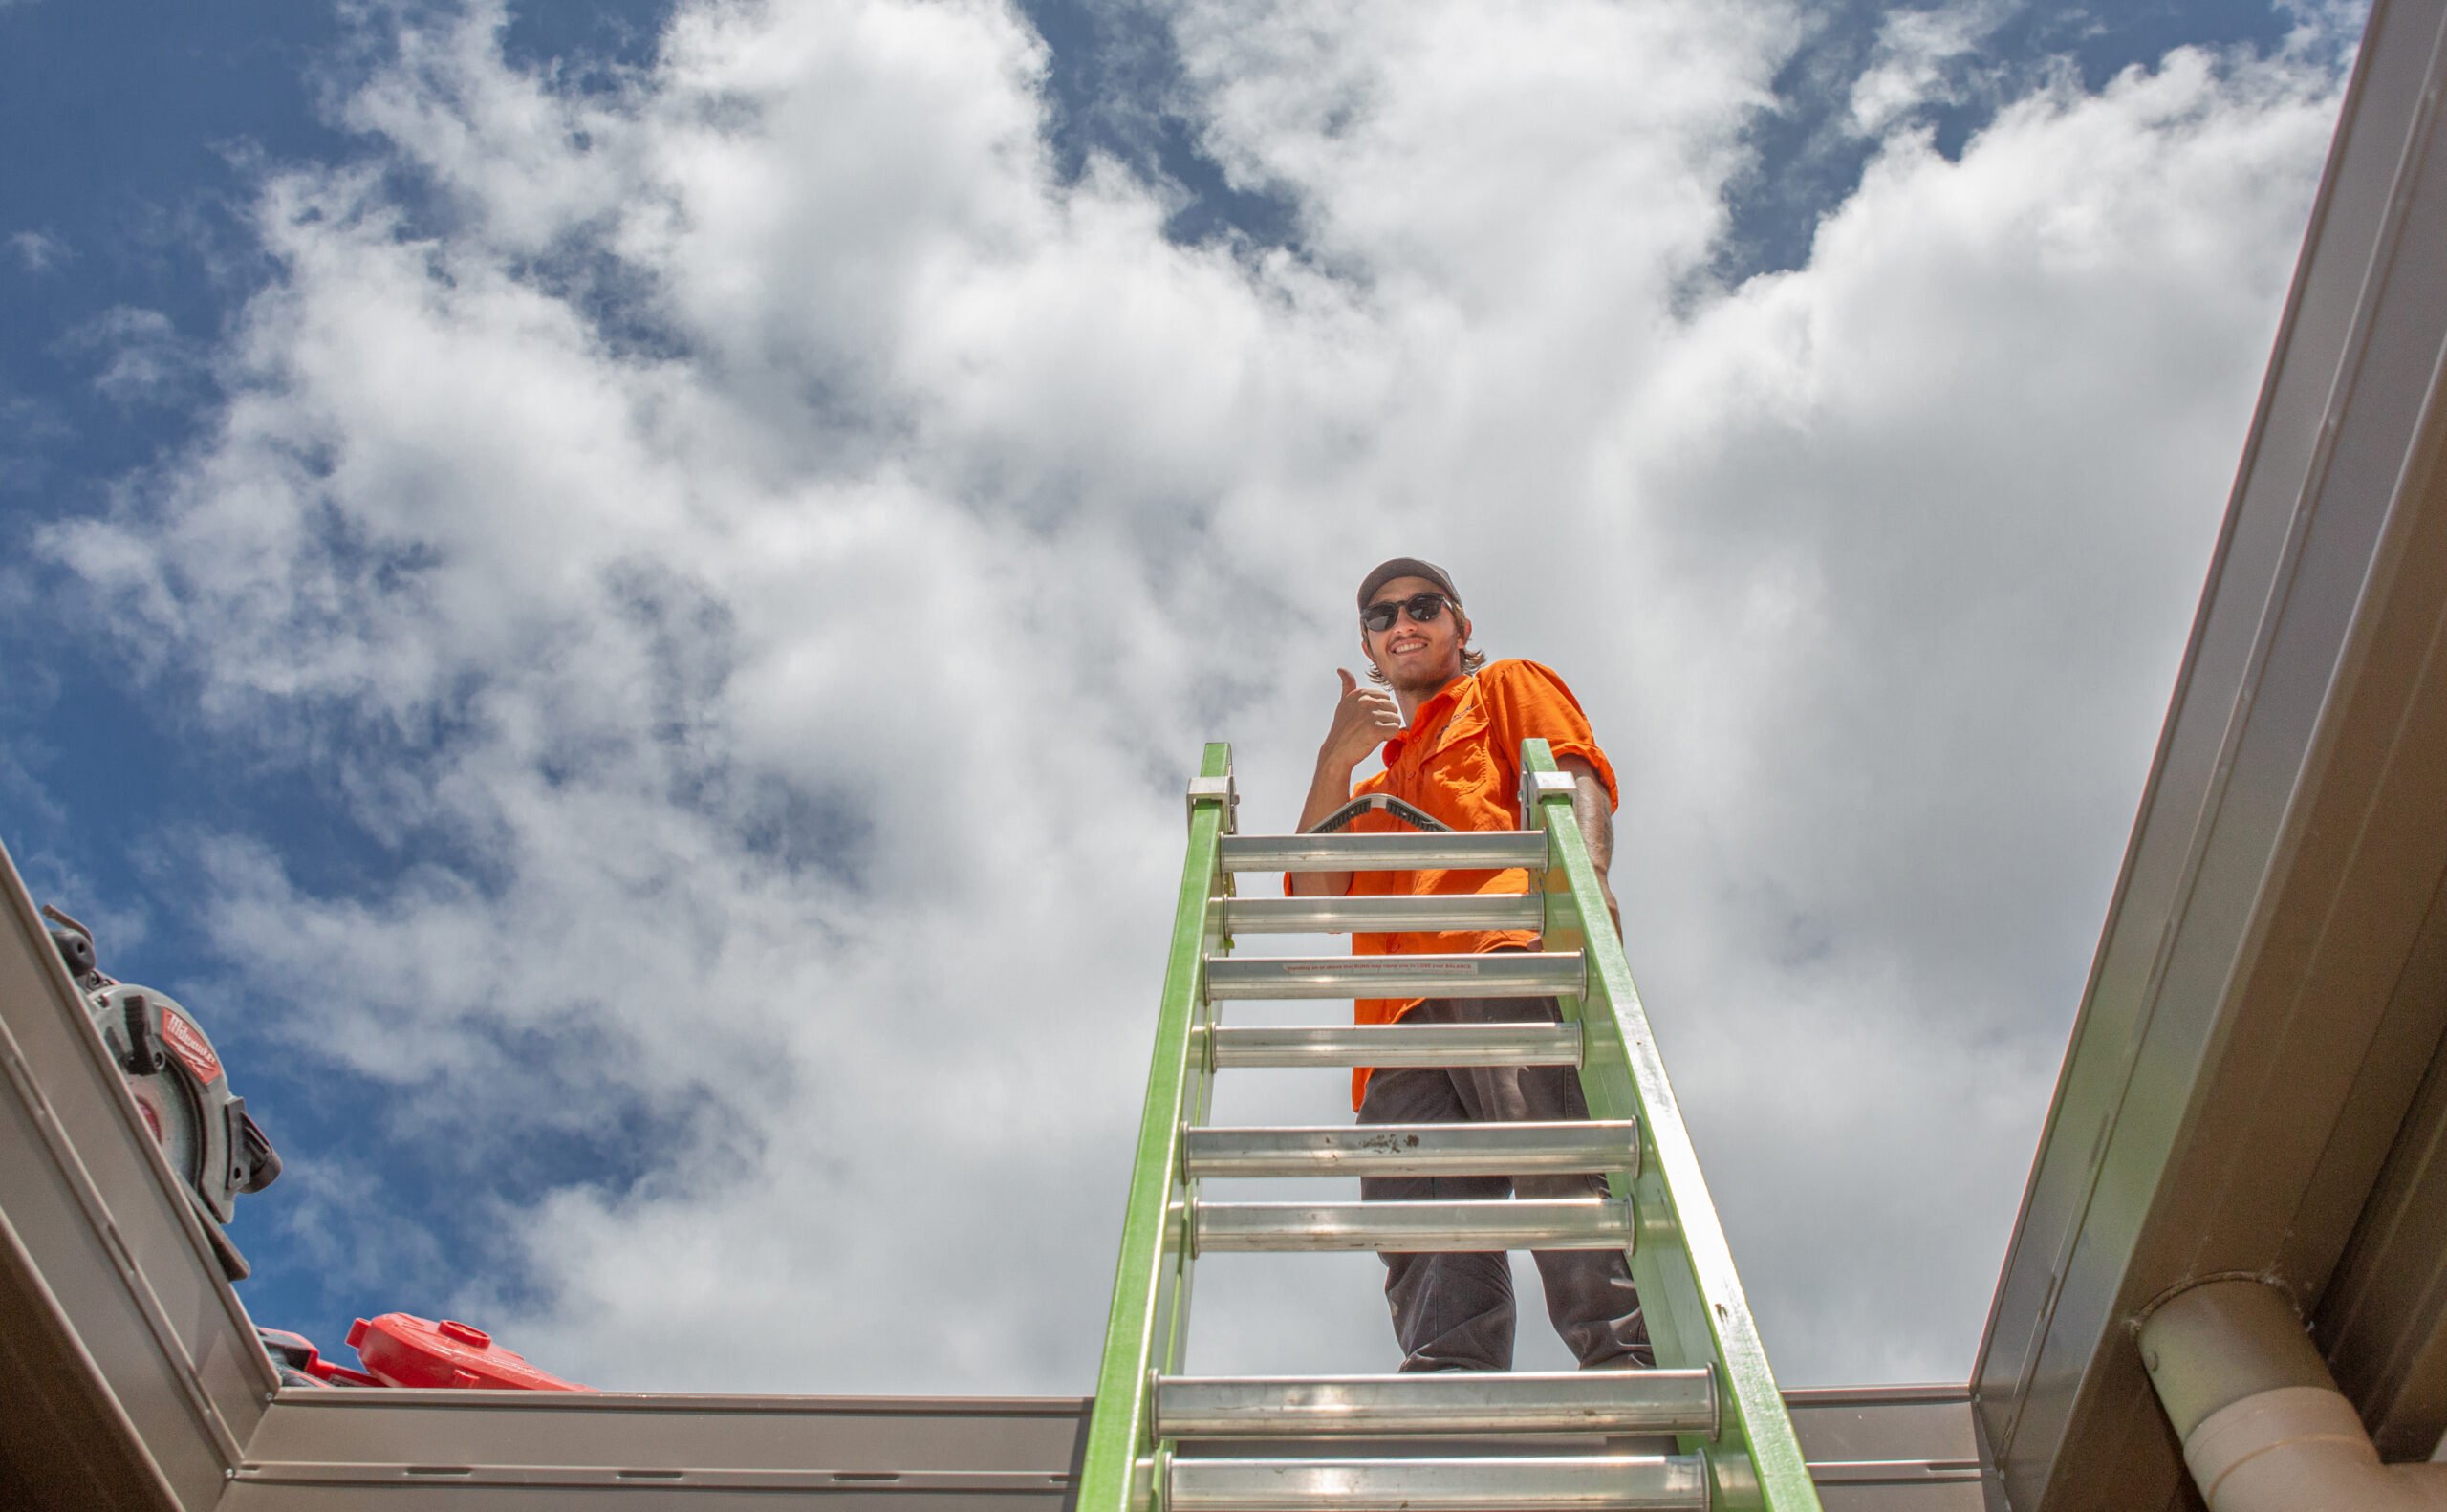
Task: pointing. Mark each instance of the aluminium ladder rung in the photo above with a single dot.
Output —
(1492, 974)
(1394, 851)
(1571, 1222)
(1460, 1149)
(1526, 1483)
(1383, 915)
(1389, 1046)
(1437, 1402)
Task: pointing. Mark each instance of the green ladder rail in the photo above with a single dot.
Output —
(1162, 1440)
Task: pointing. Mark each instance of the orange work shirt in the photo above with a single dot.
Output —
(1460, 759)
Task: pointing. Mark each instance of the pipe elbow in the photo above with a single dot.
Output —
(2263, 1427)
(2302, 1449)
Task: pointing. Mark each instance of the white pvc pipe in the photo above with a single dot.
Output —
(2290, 1442)
(2302, 1449)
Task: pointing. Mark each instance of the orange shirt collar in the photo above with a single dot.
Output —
(1447, 698)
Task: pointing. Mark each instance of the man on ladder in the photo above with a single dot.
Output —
(1451, 728)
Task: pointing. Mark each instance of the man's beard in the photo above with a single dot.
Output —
(1425, 683)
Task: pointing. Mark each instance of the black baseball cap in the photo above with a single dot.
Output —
(1406, 567)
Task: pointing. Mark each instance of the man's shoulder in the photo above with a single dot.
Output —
(1519, 672)
(1528, 698)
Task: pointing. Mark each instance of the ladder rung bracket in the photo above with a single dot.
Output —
(1397, 851)
(1461, 1148)
(1393, 1046)
(1526, 1483)
(1577, 1222)
(1386, 914)
(1492, 974)
(1437, 1402)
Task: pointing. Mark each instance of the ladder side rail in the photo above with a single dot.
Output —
(1151, 1281)
(1689, 1289)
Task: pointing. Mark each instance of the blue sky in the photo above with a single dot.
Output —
(321, 767)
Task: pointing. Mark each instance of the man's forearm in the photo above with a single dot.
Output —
(1330, 789)
(1595, 813)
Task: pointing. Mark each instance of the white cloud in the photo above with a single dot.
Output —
(1921, 59)
(144, 360)
(809, 541)
(38, 251)
(29, 427)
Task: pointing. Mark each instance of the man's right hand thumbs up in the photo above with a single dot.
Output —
(1363, 719)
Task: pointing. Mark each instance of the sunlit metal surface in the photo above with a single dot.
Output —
(1477, 851)
(1593, 1222)
(1393, 1045)
(1380, 915)
(1524, 1149)
(1544, 1484)
(1496, 974)
(1440, 1402)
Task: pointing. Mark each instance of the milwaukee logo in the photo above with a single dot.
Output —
(187, 1043)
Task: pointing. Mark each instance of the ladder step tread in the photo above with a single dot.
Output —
(1467, 1149)
(1656, 1401)
(1490, 974)
(1525, 1484)
(1399, 1045)
(1391, 851)
(1577, 1222)
(1369, 915)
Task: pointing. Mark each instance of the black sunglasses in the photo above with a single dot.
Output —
(1422, 608)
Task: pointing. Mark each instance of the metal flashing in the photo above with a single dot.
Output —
(103, 1239)
(2244, 1056)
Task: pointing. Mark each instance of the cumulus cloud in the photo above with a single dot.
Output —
(768, 546)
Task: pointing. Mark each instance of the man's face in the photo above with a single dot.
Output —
(1414, 657)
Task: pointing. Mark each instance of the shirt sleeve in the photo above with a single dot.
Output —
(1528, 700)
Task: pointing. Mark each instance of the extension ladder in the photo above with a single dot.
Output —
(1159, 1440)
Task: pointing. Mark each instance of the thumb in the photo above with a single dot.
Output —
(1350, 683)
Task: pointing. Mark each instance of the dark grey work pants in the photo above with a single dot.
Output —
(1455, 1311)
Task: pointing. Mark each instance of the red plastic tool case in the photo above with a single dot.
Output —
(401, 1348)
